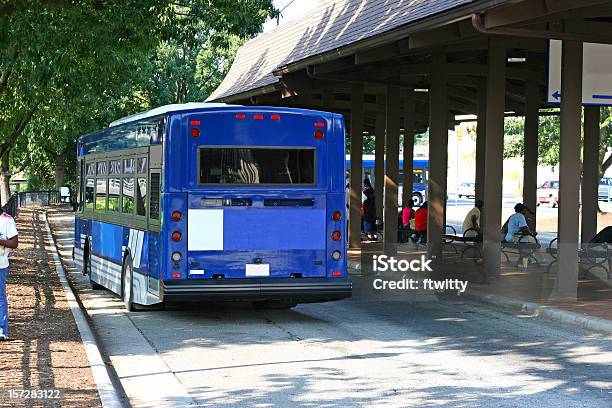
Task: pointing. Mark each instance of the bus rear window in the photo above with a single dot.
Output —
(257, 165)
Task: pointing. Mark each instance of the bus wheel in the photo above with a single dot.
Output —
(417, 199)
(274, 304)
(87, 268)
(126, 284)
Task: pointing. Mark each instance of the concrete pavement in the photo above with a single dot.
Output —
(383, 351)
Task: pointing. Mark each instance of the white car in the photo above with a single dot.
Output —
(467, 190)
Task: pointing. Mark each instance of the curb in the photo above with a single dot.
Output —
(106, 390)
(537, 310)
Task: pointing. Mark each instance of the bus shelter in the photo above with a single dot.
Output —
(406, 66)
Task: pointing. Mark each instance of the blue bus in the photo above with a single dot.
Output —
(419, 176)
(199, 202)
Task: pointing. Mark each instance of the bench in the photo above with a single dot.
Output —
(465, 241)
(523, 248)
(590, 255)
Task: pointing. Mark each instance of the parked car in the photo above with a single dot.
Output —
(467, 190)
(604, 192)
(549, 193)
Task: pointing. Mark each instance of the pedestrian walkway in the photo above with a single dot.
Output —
(45, 351)
(533, 284)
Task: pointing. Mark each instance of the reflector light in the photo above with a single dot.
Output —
(195, 132)
(195, 123)
(240, 116)
(176, 236)
(258, 117)
(275, 117)
(176, 275)
(336, 235)
(176, 215)
(336, 216)
(336, 255)
(336, 273)
(319, 124)
(319, 134)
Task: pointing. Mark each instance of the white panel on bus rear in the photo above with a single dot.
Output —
(205, 230)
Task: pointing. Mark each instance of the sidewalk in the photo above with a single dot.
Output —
(45, 351)
(530, 291)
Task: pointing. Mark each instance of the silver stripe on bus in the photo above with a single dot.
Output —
(138, 252)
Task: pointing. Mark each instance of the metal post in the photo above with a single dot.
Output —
(494, 149)
(590, 172)
(569, 167)
(530, 165)
(379, 158)
(481, 137)
(357, 102)
(392, 169)
(438, 156)
(408, 167)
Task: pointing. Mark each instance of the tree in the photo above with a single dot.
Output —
(68, 67)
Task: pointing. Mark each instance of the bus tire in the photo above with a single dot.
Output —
(87, 267)
(417, 199)
(127, 272)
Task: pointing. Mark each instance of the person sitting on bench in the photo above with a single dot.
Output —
(420, 222)
(516, 227)
(471, 224)
(603, 237)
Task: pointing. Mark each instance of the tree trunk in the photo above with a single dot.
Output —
(5, 178)
(60, 171)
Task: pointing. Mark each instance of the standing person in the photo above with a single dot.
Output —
(471, 223)
(8, 240)
(420, 222)
(369, 214)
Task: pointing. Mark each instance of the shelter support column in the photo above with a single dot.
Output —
(379, 155)
(392, 169)
(407, 168)
(494, 149)
(481, 132)
(438, 156)
(569, 168)
(590, 172)
(357, 102)
(530, 171)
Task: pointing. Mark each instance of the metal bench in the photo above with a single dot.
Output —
(523, 248)
(590, 255)
(467, 242)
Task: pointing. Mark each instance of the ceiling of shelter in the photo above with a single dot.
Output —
(315, 62)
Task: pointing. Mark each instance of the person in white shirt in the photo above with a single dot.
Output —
(9, 239)
(471, 223)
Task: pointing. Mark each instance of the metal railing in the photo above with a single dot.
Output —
(27, 198)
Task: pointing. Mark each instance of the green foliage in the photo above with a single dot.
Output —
(71, 67)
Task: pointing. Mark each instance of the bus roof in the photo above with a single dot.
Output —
(175, 107)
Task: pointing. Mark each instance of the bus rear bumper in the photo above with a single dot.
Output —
(302, 290)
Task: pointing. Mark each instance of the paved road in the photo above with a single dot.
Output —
(386, 351)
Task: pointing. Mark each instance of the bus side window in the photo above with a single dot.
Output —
(127, 189)
(100, 194)
(141, 196)
(89, 193)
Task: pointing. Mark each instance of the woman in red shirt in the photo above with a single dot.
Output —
(420, 222)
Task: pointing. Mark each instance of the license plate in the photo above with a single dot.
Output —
(257, 270)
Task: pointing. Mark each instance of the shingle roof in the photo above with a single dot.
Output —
(333, 24)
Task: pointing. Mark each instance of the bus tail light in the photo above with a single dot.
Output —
(275, 117)
(318, 134)
(176, 275)
(336, 255)
(336, 273)
(176, 215)
(176, 236)
(240, 116)
(258, 117)
(319, 124)
(195, 132)
(176, 256)
(336, 216)
(336, 235)
(195, 123)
